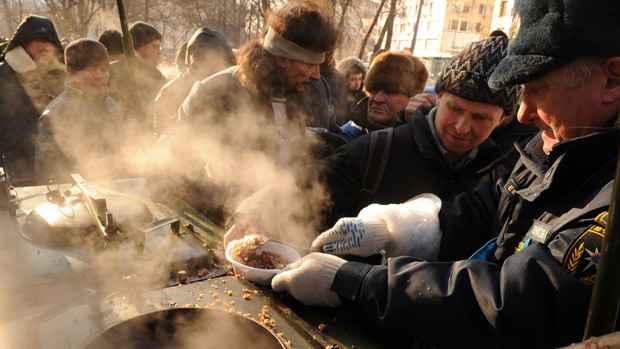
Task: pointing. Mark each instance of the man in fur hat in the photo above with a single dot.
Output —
(392, 79)
(530, 284)
(31, 76)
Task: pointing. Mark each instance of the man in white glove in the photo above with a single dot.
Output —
(309, 280)
(408, 229)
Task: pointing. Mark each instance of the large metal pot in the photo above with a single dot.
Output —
(187, 328)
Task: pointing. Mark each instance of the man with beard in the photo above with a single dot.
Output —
(530, 285)
(30, 77)
(255, 109)
(392, 79)
(79, 129)
(265, 90)
(207, 52)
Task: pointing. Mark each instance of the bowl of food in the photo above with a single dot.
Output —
(259, 259)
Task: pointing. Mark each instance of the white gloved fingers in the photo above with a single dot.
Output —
(375, 211)
(310, 282)
(282, 281)
(340, 230)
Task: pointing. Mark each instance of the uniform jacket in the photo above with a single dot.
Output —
(414, 166)
(79, 133)
(547, 219)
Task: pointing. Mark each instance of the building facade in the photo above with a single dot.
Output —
(446, 27)
(504, 17)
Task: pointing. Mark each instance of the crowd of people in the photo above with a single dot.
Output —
(487, 200)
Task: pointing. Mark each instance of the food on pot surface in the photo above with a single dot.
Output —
(248, 252)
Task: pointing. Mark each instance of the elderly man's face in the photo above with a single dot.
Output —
(462, 124)
(562, 111)
(383, 107)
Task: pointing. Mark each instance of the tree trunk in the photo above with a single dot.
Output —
(343, 16)
(417, 25)
(390, 24)
(372, 27)
(381, 37)
(10, 23)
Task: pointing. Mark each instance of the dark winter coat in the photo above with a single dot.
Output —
(18, 115)
(19, 121)
(414, 166)
(547, 221)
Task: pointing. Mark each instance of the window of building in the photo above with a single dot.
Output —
(478, 27)
(463, 26)
(466, 8)
(482, 10)
(454, 25)
(502, 8)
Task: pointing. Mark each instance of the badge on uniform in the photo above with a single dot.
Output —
(538, 232)
(584, 254)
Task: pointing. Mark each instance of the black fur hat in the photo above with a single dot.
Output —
(555, 32)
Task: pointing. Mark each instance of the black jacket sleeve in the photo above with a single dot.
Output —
(342, 174)
(529, 301)
(476, 210)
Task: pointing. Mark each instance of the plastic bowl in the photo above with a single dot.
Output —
(263, 276)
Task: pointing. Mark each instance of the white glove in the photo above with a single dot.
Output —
(354, 236)
(310, 279)
(410, 229)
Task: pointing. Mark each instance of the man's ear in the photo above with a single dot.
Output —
(611, 69)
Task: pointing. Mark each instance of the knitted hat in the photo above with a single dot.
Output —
(555, 32)
(467, 74)
(84, 53)
(143, 33)
(396, 71)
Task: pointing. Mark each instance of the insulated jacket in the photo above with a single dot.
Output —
(18, 114)
(532, 287)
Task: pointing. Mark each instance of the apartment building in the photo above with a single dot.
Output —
(504, 17)
(446, 26)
